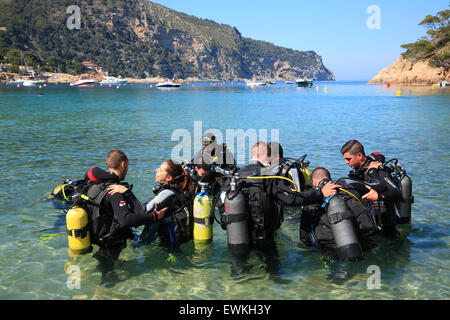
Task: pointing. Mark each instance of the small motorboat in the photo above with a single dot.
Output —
(32, 83)
(113, 81)
(444, 84)
(15, 82)
(304, 83)
(83, 83)
(168, 84)
(290, 82)
(255, 83)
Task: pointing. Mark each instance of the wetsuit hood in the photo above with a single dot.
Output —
(98, 175)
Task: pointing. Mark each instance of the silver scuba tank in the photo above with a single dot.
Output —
(343, 228)
(404, 182)
(235, 218)
(404, 205)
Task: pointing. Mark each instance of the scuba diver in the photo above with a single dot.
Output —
(174, 192)
(384, 193)
(253, 202)
(343, 222)
(215, 153)
(103, 218)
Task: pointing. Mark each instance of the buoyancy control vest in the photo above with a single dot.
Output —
(383, 210)
(316, 223)
(105, 230)
(265, 213)
(177, 224)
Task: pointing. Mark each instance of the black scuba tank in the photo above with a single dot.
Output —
(343, 228)
(235, 218)
(404, 205)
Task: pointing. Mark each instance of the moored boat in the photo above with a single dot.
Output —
(83, 83)
(168, 84)
(255, 83)
(32, 83)
(113, 81)
(304, 82)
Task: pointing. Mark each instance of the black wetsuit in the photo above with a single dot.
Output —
(266, 197)
(315, 228)
(217, 154)
(117, 215)
(380, 180)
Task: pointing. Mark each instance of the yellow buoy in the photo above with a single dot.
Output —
(433, 85)
(326, 89)
(399, 93)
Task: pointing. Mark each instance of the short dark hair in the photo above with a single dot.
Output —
(115, 158)
(275, 149)
(202, 163)
(353, 147)
(320, 173)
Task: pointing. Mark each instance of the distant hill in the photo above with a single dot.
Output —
(138, 38)
(425, 61)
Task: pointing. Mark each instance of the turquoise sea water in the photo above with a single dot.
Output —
(46, 139)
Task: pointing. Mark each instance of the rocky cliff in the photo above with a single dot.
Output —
(138, 38)
(408, 71)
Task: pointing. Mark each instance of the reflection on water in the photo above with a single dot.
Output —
(46, 139)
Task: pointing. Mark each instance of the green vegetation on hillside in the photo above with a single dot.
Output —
(435, 46)
(136, 38)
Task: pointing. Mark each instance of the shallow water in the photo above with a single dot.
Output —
(46, 139)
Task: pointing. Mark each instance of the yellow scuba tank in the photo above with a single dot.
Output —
(77, 229)
(306, 175)
(203, 221)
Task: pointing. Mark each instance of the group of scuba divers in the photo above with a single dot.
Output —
(338, 215)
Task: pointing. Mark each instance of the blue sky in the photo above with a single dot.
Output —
(336, 30)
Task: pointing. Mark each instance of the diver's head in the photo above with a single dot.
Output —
(276, 153)
(320, 176)
(261, 152)
(202, 170)
(203, 164)
(168, 171)
(208, 138)
(353, 152)
(117, 162)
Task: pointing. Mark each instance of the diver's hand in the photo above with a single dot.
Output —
(372, 195)
(117, 188)
(373, 164)
(161, 213)
(329, 189)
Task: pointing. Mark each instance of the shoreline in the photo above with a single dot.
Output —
(64, 78)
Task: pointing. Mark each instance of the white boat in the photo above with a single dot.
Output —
(255, 83)
(83, 83)
(113, 81)
(19, 81)
(32, 83)
(304, 82)
(290, 82)
(168, 84)
(444, 84)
